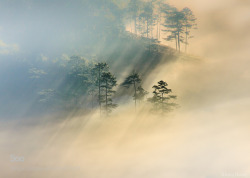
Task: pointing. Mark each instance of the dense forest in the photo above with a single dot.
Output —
(119, 44)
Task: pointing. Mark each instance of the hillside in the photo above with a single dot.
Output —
(24, 80)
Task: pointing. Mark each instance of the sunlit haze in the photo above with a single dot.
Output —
(85, 89)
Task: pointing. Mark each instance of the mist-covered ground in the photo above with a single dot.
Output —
(206, 137)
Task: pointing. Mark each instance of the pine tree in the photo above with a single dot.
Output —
(189, 23)
(98, 71)
(160, 99)
(133, 79)
(148, 16)
(134, 8)
(174, 23)
(159, 10)
(108, 83)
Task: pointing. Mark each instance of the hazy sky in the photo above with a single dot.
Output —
(49, 27)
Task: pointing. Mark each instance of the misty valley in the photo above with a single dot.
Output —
(124, 89)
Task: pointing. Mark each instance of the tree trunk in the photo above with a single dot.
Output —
(135, 94)
(160, 28)
(106, 97)
(99, 92)
(186, 40)
(162, 103)
(176, 42)
(179, 41)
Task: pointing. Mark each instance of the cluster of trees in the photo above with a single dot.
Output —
(105, 82)
(87, 82)
(152, 17)
(149, 20)
(161, 101)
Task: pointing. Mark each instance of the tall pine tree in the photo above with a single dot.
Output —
(133, 79)
(189, 23)
(98, 71)
(108, 83)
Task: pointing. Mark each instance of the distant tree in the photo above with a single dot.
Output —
(108, 83)
(76, 79)
(174, 23)
(160, 99)
(92, 92)
(105, 20)
(147, 14)
(149, 18)
(77, 66)
(92, 85)
(65, 84)
(189, 23)
(159, 10)
(141, 25)
(133, 9)
(133, 79)
(98, 71)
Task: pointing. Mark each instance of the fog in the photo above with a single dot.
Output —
(206, 136)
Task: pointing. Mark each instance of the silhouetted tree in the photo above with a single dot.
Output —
(189, 23)
(133, 79)
(98, 71)
(108, 83)
(174, 22)
(160, 99)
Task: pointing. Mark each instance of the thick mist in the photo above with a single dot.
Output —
(205, 137)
